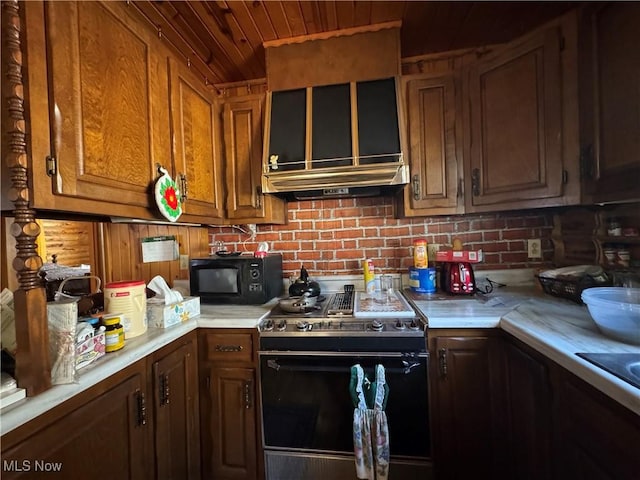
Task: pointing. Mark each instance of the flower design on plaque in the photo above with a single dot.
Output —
(167, 195)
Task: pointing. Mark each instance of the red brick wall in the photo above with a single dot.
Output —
(332, 237)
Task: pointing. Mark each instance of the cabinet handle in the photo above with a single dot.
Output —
(229, 348)
(184, 187)
(248, 397)
(164, 389)
(142, 408)
(475, 182)
(442, 362)
(416, 187)
(258, 197)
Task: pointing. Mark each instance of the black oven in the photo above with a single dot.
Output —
(306, 405)
(243, 280)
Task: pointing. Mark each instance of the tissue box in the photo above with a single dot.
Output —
(160, 315)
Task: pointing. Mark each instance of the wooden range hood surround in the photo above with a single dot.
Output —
(356, 54)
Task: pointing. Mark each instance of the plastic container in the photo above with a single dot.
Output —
(616, 311)
(420, 254)
(128, 299)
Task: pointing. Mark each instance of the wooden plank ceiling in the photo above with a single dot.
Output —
(224, 39)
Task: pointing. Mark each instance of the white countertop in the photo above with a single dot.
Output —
(556, 327)
(211, 316)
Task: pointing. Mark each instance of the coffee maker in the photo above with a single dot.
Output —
(457, 278)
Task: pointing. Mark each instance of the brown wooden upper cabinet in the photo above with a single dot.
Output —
(107, 101)
(434, 158)
(193, 117)
(513, 146)
(245, 202)
(495, 128)
(610, 101)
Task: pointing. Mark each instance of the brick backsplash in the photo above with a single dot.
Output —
(332, 237)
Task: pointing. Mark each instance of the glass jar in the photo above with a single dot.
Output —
(114, 333)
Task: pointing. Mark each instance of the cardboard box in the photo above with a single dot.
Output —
(160, 315)
(471, 256)
(90, 350)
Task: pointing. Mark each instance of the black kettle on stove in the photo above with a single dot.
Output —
(457, 278)
(303, 285)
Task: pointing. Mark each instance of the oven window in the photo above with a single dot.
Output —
(307, 405)
(218, 280)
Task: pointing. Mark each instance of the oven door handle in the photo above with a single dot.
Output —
(407, 366)
(291, 353)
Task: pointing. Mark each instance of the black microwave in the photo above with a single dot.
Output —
(242, 280)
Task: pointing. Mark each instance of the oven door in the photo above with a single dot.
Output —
(307, 407)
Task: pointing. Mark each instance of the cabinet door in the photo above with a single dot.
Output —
(176, 407)
(529, 412)
(104, 438)
(436, 173)
(513, 150)
(229, 430)
(465, 407)
(193, 117)
(108, 88)
(610, 101)
(597, 438)
(243, 159)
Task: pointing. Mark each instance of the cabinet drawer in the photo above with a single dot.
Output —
(237, 347)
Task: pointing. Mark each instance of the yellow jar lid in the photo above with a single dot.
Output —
(111, 320)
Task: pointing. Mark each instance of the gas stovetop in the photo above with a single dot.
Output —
(347, 313)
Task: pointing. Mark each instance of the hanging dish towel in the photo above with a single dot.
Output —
(370, 429)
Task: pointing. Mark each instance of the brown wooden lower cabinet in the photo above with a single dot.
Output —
(465, 403)
(502, 410)
(597, 438)
(229, 410)
(528, 411)
(140, 423)
(176, 410)
(102, 433)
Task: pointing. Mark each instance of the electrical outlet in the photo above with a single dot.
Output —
(253, 228)
(184, 262)
(534, 248)
(432, 248)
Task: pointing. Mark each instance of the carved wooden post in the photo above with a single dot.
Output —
(33, 368)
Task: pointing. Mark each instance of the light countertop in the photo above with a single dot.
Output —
(556, 327)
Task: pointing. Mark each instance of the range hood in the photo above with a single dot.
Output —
(333, 123)
(363, 180)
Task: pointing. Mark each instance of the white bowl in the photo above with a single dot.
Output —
(616, 311)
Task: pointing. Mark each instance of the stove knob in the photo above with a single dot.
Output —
(302, 325)
(400, 325)
(376, 325)
(414, 325)
(267, 326)
(282, 325)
